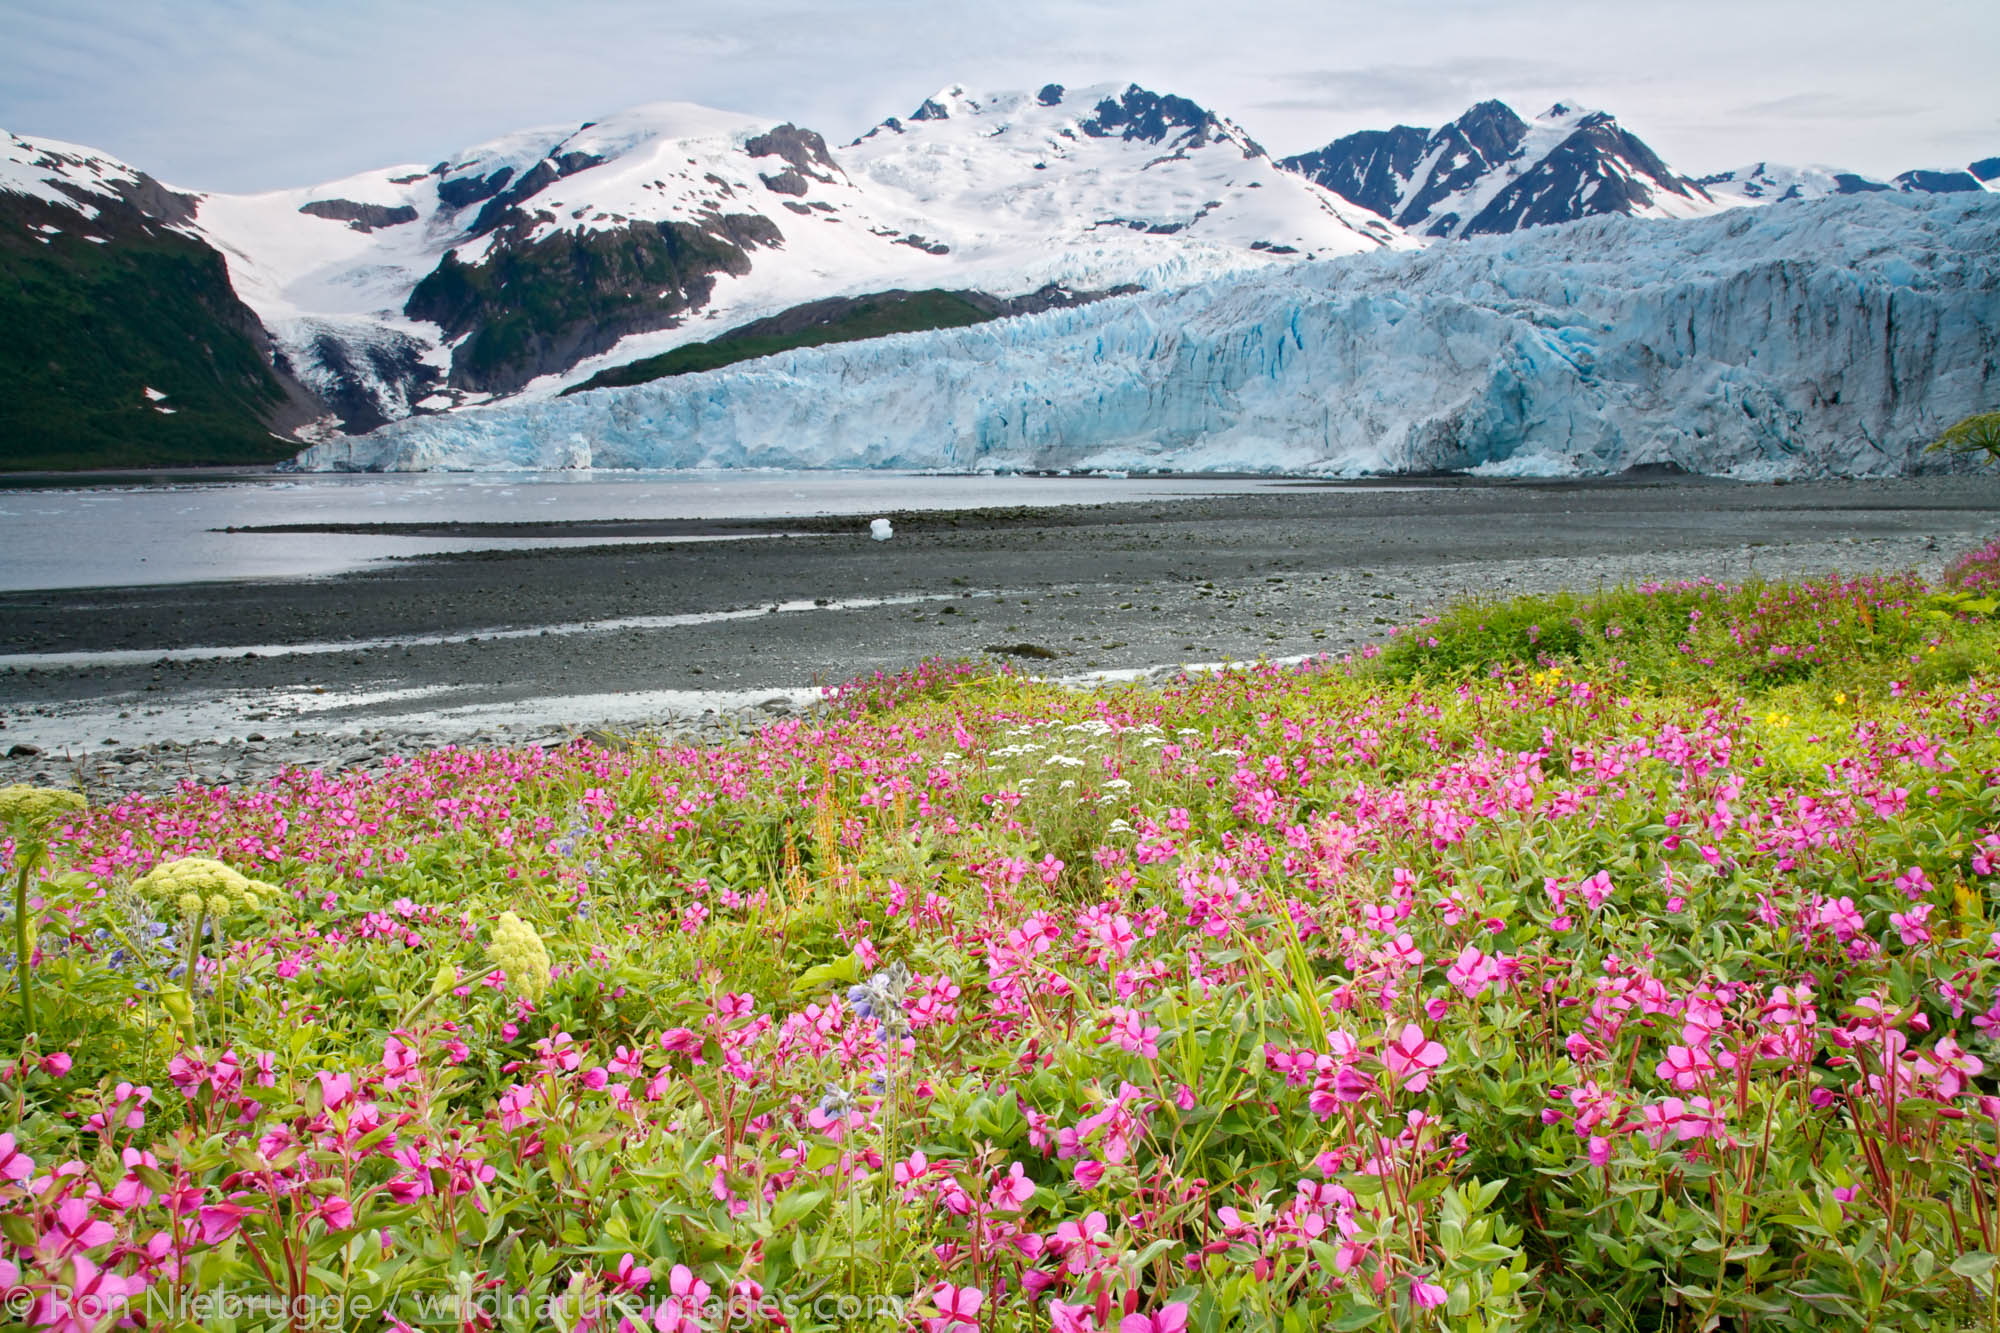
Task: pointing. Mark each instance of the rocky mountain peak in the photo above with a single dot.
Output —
(1491, 128)
(1490, 171)
(804, 150)
(1938, 182)
(83, 180)
(1142, 115)
(941, 105)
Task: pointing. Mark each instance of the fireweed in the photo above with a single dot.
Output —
(1625, 962)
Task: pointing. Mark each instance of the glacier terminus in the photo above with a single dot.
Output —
(1831, 337)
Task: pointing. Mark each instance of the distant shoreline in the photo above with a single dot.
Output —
(204, 472)
(277, 471)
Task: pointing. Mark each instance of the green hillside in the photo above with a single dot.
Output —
(835, 321)
(87, 326)
(535, 307)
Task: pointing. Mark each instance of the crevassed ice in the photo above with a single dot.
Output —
(1833, 336)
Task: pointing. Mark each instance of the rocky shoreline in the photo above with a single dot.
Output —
(121, 690)
(161, 767)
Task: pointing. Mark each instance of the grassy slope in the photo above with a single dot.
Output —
(86, 328)
(873, 317)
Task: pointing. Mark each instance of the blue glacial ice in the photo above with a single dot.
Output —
(1825, 337)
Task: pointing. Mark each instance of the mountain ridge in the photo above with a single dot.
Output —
(1489, 172)
(546, 259)
(539, 259)
(124, 340)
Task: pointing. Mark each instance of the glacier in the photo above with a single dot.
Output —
(1814, 338)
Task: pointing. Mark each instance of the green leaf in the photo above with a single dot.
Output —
(1975, 1265)
(174, 999)
(841, 972)
(1489, 1253)
(795, 1204)
(1430, 1187)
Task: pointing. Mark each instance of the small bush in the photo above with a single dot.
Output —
(1836, 631)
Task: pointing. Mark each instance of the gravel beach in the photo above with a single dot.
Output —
(139, 688)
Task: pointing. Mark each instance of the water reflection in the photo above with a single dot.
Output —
(164, 527)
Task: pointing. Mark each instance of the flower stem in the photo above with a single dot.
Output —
(24, 963)
(429, 999)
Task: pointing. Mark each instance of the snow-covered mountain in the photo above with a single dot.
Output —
(1490, 172)
(1773, 182)
(1123, 182)
(531, 262)
(415, 287)
(551, 259)
(82, 181)
(1958, 180)
(1806, 338)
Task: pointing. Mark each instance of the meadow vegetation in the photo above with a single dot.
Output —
(1618, 962)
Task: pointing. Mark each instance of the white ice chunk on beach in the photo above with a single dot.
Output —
(881, 529)
(1826, 337)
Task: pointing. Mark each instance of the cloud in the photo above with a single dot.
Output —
(1453, 83)
(258, 94)
(1826, 106)
(1981, 140)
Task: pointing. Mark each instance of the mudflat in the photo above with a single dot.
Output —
(494, 636)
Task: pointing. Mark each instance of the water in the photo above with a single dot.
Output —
(126, 533)
(116, 657)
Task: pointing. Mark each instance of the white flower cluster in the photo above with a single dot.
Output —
(1080, 748)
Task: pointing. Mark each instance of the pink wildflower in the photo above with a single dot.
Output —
(1426, 1295)
(1171, 1318)
(1411, 1058)
(958, 1309)
(14, 1164)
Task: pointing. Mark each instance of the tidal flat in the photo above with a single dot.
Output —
(140, 686)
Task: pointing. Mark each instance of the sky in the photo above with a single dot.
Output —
(245, 95)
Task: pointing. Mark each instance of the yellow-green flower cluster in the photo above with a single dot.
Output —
(197, 885)
(34, 808)
(517, 950)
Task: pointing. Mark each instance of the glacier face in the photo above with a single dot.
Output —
(1831, 337)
